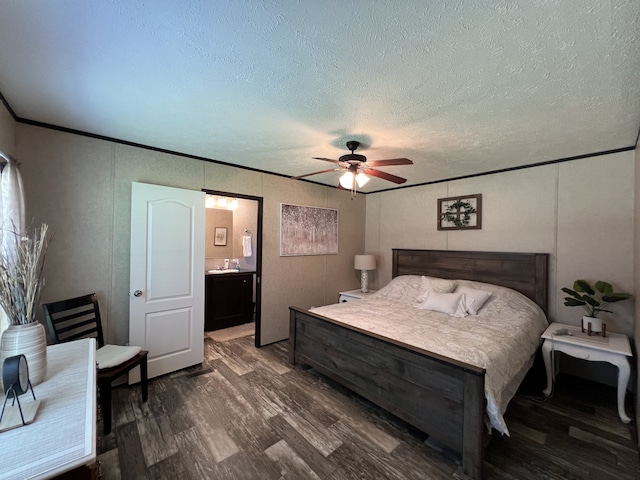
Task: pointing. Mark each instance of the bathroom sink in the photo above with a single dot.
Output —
(226, 270)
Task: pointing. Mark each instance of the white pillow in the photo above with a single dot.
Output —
(439, 285)
(403, 288)
(454, 304)
(478, 296)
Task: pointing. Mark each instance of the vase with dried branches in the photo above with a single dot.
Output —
(21, 285)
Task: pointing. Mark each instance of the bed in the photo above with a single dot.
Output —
(438, 393)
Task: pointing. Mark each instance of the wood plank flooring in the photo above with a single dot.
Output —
(246, 414)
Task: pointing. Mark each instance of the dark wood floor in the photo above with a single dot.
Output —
(246, 414)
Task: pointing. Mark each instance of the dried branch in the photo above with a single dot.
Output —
(21, 279)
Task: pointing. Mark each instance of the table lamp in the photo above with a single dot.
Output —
(364, 263)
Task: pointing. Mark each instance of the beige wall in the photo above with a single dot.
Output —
(7, 130)
(245, 219)
(7, 138)
(218, 218)
(595, 233)
(81, 186)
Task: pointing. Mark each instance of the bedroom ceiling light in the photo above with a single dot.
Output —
(347, 181)
(364, 262)
(221, 202)
(361, 179)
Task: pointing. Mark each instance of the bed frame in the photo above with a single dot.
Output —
(441, 396)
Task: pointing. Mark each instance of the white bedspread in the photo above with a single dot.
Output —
(502, 338)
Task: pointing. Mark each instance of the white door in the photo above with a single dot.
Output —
(166, 296)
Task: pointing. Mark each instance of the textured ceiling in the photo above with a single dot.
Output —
(460, 87)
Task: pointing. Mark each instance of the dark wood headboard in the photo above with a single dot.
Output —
(523, 272)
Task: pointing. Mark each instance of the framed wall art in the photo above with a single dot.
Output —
(308, 230)
(460, 213)
(220, 236)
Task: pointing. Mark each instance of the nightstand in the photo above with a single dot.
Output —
(569, 339)
(351, 295)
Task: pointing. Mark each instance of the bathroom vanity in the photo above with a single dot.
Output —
(228, 300)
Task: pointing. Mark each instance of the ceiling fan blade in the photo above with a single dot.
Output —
(316, 173)
(391, 161)
(384, 175)
(326, 159)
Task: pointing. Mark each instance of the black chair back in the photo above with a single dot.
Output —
(74, 318)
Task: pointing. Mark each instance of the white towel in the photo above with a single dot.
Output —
(246, 246)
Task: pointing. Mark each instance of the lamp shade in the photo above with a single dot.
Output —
(365, 262)
(346, 180)
(361, 179)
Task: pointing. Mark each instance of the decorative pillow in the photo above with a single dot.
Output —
(454, 304)
(439, 285)
(403, 288)
(478, 296)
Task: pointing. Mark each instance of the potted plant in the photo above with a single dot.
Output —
(21, 285)
(593, 300)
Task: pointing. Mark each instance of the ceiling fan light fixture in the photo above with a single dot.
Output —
(361, 179)
(356, 165)
(346, 180)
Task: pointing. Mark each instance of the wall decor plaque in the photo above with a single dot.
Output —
(463, 212)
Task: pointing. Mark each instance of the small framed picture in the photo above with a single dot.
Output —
(220, 236)
(460, 213)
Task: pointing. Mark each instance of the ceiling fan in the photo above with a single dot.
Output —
(357, 168)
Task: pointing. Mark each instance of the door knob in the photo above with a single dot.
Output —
(137, 293)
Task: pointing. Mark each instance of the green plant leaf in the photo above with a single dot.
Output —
(591, 301)
(583, 286)
(573, 302)
(615, 297)
(604, 287)
(571, 292)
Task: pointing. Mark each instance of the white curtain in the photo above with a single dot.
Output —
(12, 209)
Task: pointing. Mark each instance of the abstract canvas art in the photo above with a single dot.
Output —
(308, 230)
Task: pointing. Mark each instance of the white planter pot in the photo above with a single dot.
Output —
(596, 324)
(31, 341)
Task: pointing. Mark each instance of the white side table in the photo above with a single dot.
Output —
(351, 295)
(614, 348)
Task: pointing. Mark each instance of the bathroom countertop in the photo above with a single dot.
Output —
(231, 273)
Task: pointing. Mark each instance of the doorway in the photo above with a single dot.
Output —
(242, 228)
